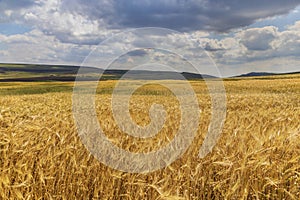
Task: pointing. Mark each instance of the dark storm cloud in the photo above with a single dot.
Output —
(63, 18)
(138, 52)
(214, 15)
(82, 21)
(15, 4)
(182, 15)
(213, 47)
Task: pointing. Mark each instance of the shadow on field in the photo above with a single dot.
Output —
(35, 89)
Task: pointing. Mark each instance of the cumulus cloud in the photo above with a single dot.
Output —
(36, 47)
(56, 18)
(67, 26)
(15, 4)
(260, 49)
(258, 39)
(138, 52)
(213, 15)
(65, 31)
(89, 21)
(212, 45)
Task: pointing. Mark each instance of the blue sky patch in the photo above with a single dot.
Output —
(12, 29)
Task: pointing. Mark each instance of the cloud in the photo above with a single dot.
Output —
(15, 4)
(68, 27)
(36, 47)
(139, 52)
(288, 42)
(213, 45)
(11, 9)
(65, 31)
(258, 39)
(266, 45)
(52, 18)
(89, 21)
(212, 15)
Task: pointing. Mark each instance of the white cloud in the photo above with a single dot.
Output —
(67, 26)
(36, 47)
(65, 31)
(89, 22)
(294, 27)
(212, 45)
(258, 39)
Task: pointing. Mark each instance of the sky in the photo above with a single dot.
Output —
(239, 36)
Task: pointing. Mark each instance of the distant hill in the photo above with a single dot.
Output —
(39, 72)
(255, 74)
(36, 72)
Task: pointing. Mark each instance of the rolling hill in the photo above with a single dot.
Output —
(36, 72)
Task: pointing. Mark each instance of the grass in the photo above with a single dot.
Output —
(19, 88)
(257, 156)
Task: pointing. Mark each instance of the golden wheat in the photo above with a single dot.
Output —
(257, 156)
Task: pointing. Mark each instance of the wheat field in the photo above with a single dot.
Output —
(256, 157)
